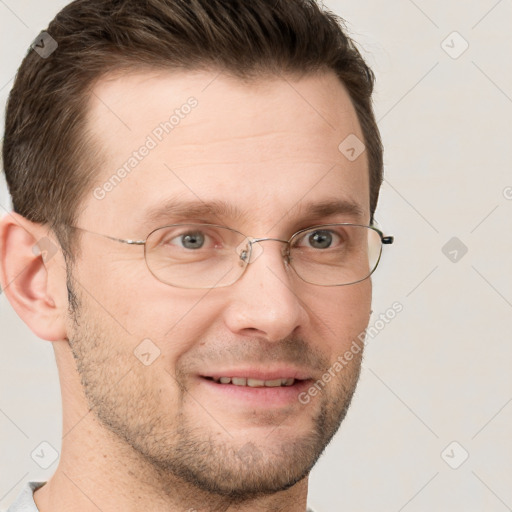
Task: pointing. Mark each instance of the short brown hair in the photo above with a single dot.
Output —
(48, 157)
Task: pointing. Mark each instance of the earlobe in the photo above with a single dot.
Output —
(27, 254)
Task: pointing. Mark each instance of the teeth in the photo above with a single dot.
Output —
(255, 383)
(273, 383)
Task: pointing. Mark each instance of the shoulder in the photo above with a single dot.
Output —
(24, 502)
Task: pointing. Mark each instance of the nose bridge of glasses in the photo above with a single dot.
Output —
(256, 249)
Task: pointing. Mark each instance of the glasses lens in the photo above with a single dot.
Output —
(210, 256)
(335, 254)
(195, 255)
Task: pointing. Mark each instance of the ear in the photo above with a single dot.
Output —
(33, 276)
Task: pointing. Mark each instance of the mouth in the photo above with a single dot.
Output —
(254, 383)
(257, 388)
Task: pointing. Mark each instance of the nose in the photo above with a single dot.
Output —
(265, 301)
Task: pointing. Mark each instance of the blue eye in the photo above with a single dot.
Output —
(191, 240)
(320, 239)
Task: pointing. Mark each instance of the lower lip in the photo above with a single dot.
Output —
(259, 396)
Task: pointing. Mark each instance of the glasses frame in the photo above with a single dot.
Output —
(246, 258)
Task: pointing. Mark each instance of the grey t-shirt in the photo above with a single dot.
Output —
(25, 500)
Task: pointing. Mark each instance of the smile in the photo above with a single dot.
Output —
(254, 383)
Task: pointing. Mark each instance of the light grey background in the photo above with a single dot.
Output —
(439, 372)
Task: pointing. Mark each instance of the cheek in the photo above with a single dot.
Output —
(125, 289)
(176, 320)
(342, 313)
(132, 306)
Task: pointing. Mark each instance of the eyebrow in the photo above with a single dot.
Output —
(222, 210)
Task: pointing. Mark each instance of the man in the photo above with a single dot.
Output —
(199, 178)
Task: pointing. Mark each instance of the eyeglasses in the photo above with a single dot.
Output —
(211, 256)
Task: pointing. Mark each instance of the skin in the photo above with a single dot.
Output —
(154, 437)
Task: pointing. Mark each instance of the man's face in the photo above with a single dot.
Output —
(268, 149)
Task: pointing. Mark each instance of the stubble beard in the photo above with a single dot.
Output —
(186, 451)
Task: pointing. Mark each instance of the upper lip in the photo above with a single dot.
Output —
(283, 372)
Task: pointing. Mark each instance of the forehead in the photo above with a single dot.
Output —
(265, 147)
